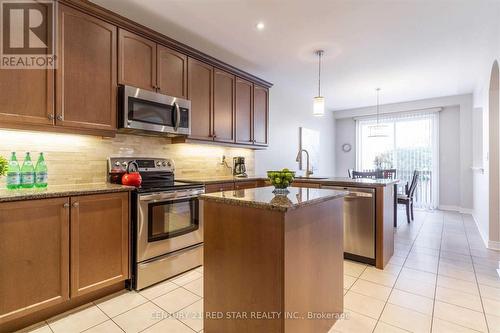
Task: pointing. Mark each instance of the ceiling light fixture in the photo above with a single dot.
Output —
(378, 130)
(319, 101)
(260, 26)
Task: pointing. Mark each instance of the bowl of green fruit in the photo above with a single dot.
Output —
(281, 180)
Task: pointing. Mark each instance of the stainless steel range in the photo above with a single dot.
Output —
(167, 225)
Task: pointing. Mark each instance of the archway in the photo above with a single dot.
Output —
(494, 153)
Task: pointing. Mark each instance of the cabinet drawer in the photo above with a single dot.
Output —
(305, 184)
(243, 185)
(219, 187)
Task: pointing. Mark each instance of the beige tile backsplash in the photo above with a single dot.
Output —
(83, 159)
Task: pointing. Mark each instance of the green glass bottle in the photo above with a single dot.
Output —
(41, 172)
(13, 173)
(27, 172)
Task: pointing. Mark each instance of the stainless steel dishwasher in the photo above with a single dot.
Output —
(359, 223)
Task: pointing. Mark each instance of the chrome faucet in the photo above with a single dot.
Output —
(299, 158)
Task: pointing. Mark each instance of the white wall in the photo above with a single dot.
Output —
(455, 144)
(449, 158)
(481, 212)
(290, 111)
(481, 180)
(345, 132)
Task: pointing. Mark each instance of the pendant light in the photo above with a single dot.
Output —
(319, 101)
(378, 130)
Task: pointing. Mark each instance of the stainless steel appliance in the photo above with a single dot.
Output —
(167, 224)
(147, 111)
(239, 168)
(359, 223)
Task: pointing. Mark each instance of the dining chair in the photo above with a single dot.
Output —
(407, 198)
(349, 172)
(389, 174)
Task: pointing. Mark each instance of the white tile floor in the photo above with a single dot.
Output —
(441, 279)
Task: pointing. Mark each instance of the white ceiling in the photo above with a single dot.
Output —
(412, 49)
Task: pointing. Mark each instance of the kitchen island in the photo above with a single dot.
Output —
(370, 239)
(273, 263)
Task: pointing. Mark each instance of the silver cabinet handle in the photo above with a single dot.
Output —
(50, 116)
(60, 117)
(66, 205)
(76, 204)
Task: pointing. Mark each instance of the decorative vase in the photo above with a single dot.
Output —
(280, 191)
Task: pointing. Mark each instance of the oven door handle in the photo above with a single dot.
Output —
(175, 196)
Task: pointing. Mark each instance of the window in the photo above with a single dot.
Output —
(409, 143)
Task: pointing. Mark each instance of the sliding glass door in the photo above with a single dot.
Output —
(405, 142)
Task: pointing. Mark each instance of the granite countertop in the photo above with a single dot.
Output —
(264, 198)
(367, 182)
(333, 181)
(219, 179)
(55, 191)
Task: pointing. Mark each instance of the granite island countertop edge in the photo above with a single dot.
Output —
(214, 197)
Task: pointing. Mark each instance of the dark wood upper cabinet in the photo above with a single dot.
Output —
(99, 241)
(260, 115)
(223, 114)
(171, 72)
(243, 114)
(136, 61)
(34, 250)
(86, 74)
(27, 96)
(200, 92)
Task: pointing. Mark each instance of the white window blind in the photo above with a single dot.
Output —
(410, 142)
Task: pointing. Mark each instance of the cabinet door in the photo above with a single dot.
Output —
(223, 115)
(86, 73)
(99, 241)
(136, 61)
(244, 102)
(34, 256)
(260, 115)
(27, 96)
(172, 72)
(200, 77)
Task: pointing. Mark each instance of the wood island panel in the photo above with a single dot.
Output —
(384, 225)
(260, 261)
(314, 237)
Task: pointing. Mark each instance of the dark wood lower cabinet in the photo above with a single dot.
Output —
(34, 256)
(99, 241)
(55, 253)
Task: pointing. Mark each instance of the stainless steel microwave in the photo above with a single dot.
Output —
(149, 111)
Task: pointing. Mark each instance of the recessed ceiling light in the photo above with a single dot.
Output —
(260, 26)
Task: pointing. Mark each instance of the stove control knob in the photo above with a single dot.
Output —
(158, 163)
(118, 163)
(124, 164)
(164, 164)
(169, 164)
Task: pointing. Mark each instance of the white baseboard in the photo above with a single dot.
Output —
(492, 245)
(449, 208)
(456, 209)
